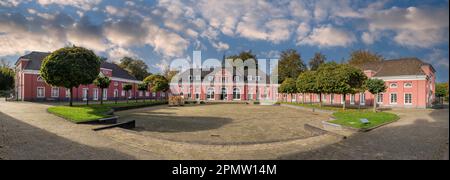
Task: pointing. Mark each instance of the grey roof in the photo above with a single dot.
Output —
(204, 73)
(35, 61)
(397, 67)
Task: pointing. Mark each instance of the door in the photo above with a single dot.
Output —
(223, 95)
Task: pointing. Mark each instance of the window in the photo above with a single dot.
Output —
(352, 99)
(380, 98)
(67, 93)
(116, 93)
(147, 93)
(95, 96)
(294, 97)
(153, 94)
(394, 98)
(55, 92)
(332, 98)
(85, 94)
(250, 78)
(408, 98)
(393, 85)
(105, 94)
(258, 78)
(236, 94)
(237, 78)
(210, 78)
(342, 99)
(210, 94)
(197, 96)
(39, 78)
(317, 98)
(129, 94)
(250, 94)
(40, 92)
(123, 93)
(163, 94)
(362, 98)
(190, 78)
(408, 85)
(141, 93)
(198, 78)
(324, 98)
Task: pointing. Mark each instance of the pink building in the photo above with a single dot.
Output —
(410, 84)
(31, 87)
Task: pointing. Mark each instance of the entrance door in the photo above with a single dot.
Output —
(223, 95)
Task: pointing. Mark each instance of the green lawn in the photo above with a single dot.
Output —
(352, 116)
(83, 113)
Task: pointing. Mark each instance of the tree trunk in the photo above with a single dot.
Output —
(303, 98)
(71, 97)
(126, 97)
(144, 95)
(87, 97)
(375, 100)
(101, 97)
(345, 101)
(320, 99)
(292, 97)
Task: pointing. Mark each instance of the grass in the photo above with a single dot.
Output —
(351, 117)
(83, 113)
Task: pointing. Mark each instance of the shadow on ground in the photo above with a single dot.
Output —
(164, 123)
(420, 138)
(19, 140)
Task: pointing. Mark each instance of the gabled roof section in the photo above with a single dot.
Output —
(397, 67)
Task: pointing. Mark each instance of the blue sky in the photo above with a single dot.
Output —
(159, 31)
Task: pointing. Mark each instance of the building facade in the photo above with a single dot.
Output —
(31, 87)
(410, 84)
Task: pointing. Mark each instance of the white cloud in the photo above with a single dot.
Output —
(220, 46)
(82, 4)
(328, 36)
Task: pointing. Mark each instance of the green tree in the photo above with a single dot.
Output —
(144, 88)
(375, 86)
(306, 82)
(361, 57)
(6, 81)
(316, 61)
(70, 67)
(135, 67)
(326, 79)
(244, 55)
(290, 65)
(288, 87)
(442, 90)
(102, 82)
(126, 88)
(157, 83)
(349, 80)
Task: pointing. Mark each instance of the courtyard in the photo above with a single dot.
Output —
(223, 124)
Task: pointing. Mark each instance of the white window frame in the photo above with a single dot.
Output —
(250, 78)
(67, 93)
(237, 78)
(258, 78)
(380, 100)
(141, 93)
(411, 98)
(153, 94)
(53, 94)
(210, 94)
(352, 99)
(147, 94)
(237, 94)
(391, 84)
(198, 78)
(362, 98)
(129, 94)
(85, 95)
(105, 94)
(40, 95)
(116, 93)
(210, 78)
(123, 93)
(406, 83)
(342, 99)
(163, 94)
(324, 98)
(390, 98)
(95, 94)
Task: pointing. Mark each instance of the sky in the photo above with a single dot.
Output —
(158, 31)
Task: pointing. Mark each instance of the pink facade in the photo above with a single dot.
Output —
(31, 87)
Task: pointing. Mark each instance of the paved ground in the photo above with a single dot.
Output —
(419, 134)
(27, 131)
(223, 124)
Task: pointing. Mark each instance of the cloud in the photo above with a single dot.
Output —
(82, 4)
(328, 36)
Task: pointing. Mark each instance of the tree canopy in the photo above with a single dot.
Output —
(316, 61)
(102, 82)
(6, 79)
(360, 57)
(157, 83)
(290, 65)
(288, 86)
(442, 90)
(136, 67)
(70, 67)
(375, 86)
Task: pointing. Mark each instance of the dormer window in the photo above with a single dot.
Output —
(408, 85)
(39, 78)
(393, 85)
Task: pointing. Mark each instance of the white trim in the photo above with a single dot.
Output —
(378, 98)
(404, 99)
(235, 91)
(83, 95)
(362, 99)
(106, 69)
(95, 94)
(400, 78)
(105, 94)
(405, 83)
(43, 92)
(352, 99)
(53, 95)
(125, 80)
(30, 72)
(390, 98)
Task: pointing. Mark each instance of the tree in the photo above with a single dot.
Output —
(442, 90)
(348, 80)
(135, 67)
(290, 65)
(316, 61)
(288, 87)
(306, 82)
(6, 80)
(143, 87)
(102, 82)
(70, 67)
(244, 55)
(361, 57)
(375, 86)
(157, 83)
(326, 79)
(126, 88)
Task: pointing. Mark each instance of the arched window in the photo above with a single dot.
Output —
(210, 94)
(237, 94)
